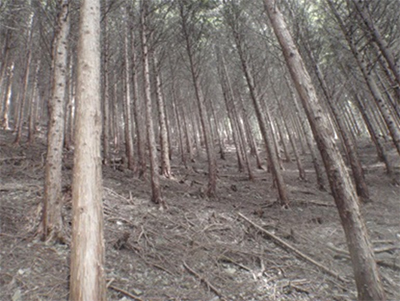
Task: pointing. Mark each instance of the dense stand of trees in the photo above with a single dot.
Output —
(189, 78)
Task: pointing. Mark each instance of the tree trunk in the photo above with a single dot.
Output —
(20, 116)
(33, 107)
(250, 136)
(3, 71)
(137, 106)
(106, 86)
(7, 99)
(380, 149)
(377, 37)
(205, 125)
(367, 278)
(374, 89)
(87, 280)
(224, 82)
(165, 162)
(264, 128)
(70, 108)
(52, 219)
(127, 99)
(351, 150)
(154, 173)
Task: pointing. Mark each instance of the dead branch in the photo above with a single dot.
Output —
(293, 249)
(205, 281)
(386, 249)
(124, 292)
(316, 203)
(12, 158)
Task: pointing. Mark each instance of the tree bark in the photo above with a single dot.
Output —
(369, 285)
(7, 99)
(33, 106)
(128, 134)
(264, 128)
(106, 86)
(154, 173)
(205, 125)
(368, 76)
(164, 145)
(376, 35)
(87, 280)
(137, 106)
(52, 205)
(22, 104)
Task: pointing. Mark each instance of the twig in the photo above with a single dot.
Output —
(124, 292)
(383, 263)
(293, 249)
(316, 203)
(109, 190)
(205, 281)
(386, 249)
(12, 158)
(225, 258)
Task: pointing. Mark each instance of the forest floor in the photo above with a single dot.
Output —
(199, 248)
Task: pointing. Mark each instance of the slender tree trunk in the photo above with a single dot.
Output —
(87, 280)
(52, 219)
(376, 35)
(368, 76)
(70, 107)
(127, 99)
(33, 106)
(223, 78)
(250, 136)
(369, 285)
(137, 106)
(264, 128)
(3, 70)
(154, 173)
(7, 99)
(380, 149)
(209, 144)
(351, 150)
(179, 123)
(20, 116)
(217, 131)
(188, 136)
(278, 126)
(106, 86)
(165, 162)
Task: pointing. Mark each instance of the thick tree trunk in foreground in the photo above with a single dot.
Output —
(87, 281)
(369, 285)
(52, 222)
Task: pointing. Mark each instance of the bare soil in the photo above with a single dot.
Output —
(199, 248)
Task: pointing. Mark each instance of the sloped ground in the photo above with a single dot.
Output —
(198, 249)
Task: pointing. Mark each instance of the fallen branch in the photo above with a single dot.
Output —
(316, 203)
(12, 158)
(205, 281)
(345, 254)
(124, 292)
(293, 249)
